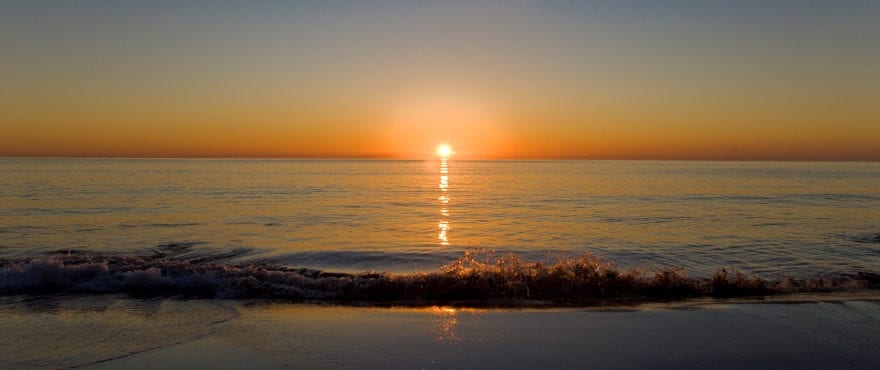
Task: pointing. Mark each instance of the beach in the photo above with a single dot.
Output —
(803, 332)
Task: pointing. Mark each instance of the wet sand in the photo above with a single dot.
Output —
(815, 334)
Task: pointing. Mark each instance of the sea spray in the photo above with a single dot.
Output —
(478, 278)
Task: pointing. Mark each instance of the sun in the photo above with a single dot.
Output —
(444, 150)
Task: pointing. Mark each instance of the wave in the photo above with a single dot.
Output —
(867, 238)
(478, 278)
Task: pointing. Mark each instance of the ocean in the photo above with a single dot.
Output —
(440, 230)
(764, 218)
(234, 263)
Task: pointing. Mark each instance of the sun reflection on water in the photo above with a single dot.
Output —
(445, 320)
(444, 152)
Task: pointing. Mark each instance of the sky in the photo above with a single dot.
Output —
(750, 80)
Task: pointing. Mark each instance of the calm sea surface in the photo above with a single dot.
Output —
(768, 218)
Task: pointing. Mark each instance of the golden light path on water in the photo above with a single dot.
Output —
(444, 152)
(445, 320)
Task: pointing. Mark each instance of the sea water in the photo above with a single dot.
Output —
(762, 218)
(104, 261)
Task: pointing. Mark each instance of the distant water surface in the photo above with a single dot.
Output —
(766, 218)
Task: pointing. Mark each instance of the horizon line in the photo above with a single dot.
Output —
(393, 158)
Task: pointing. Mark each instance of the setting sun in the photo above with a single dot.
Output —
(444, 150)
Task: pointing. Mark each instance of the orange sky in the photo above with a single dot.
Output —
(392, 80)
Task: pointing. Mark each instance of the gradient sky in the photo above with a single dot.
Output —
(506, 79)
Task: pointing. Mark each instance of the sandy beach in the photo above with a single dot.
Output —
(792, 332)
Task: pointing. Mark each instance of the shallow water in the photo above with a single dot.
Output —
(71, 331)
(765, 218)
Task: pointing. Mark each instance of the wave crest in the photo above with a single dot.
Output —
(477, 278)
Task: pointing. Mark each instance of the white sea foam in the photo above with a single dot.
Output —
(477, 278)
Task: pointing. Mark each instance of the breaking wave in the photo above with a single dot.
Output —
(867, 238)
(478, 278)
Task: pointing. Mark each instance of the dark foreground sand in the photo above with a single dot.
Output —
(816, 333)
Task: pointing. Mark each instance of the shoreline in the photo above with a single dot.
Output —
(473, 280)
(716, 335)
(109, 332)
